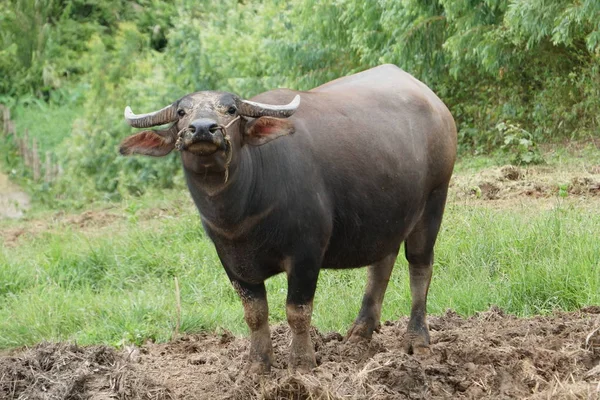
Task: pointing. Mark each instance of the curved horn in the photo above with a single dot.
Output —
(162, 116)
(253, 109)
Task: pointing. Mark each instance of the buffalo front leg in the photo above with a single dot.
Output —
(419, 253)
(369, 317)
(256, 314)
(302, 283)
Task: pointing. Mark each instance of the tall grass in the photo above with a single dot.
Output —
(115, 284)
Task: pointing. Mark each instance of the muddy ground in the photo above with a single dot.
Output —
(536, 182)
(488, 356)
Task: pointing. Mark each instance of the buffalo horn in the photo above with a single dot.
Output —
(160, 117)
(253, 109)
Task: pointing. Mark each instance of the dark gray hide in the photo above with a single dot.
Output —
(366, 168)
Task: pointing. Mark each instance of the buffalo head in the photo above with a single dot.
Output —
(208, 128)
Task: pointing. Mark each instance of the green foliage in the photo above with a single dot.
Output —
(535, 63)
(229, 28)
(519, 144)
(135, 76)
(25, 34)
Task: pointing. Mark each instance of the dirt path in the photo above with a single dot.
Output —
(488, 356)
(13, 201)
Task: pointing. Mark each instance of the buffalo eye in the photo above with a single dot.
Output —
(181, 112)
(231, 110)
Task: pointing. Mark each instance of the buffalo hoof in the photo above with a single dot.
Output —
(357, 339)
(302, 368)
(302, 363)
(260, 364)
(259, 368)
(417, 344)
(420, 350)
(360, 332)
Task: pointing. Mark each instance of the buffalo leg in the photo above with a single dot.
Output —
(419, 253)
(302, 283)
(368, 319)
(256, 314)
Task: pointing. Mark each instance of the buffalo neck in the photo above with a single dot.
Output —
(222, 202)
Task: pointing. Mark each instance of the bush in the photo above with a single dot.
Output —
(519, 144)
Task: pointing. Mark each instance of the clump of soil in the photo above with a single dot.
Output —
(67, 371)
(490, 355)
(511, 182)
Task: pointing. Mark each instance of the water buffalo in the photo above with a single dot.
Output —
(360, 165)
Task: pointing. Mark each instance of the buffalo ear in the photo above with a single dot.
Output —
(264, 129)
(148, 143)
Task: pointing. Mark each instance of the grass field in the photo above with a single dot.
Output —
(108, 275)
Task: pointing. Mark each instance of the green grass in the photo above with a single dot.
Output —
(115, 284)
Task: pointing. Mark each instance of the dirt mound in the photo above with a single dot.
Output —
(535, 182)
(67, 371)
(490, 355)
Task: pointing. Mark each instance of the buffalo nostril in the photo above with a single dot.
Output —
(192, 129)
(213, 128)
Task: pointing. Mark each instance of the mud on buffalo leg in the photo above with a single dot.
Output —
(419, 253)
(368, 319)
(256, 314)
(302, 283)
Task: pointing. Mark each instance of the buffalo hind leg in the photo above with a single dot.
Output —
(302, 283)
(256, 314)
(419, 253)
(369, 317)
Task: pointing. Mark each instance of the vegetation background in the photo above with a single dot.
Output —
(516, 74)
